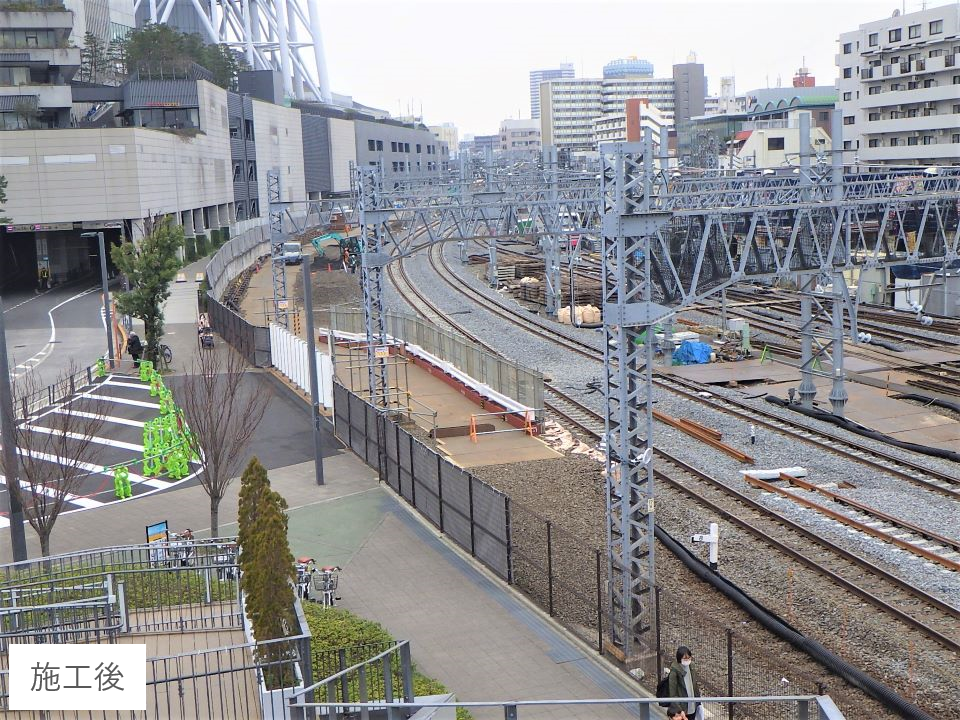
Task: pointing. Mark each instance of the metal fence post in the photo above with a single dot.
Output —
(306, 666)
(413, 475)
(509, 539)
(440, 488)
(509, 712)
(388, 686)
(656, 608)
(406, 672)
(549, 568)
(599, 606)
(473, 538)
(341, 666)
(730, 672)
(803, 710)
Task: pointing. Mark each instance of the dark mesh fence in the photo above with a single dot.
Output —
(566, 575)
(470, 512)
(251, 341)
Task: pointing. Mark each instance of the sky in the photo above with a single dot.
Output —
(468, 62)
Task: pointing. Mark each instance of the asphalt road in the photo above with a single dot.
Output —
(47, 332)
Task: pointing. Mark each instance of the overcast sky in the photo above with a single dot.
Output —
(467, 62)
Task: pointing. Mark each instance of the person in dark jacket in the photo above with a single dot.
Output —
(683, 681)
(135, 348)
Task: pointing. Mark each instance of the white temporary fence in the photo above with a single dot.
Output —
(291, 357)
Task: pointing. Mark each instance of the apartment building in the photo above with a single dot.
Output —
(629, 125)
(899, 89)
(36, 68)
(537, 77)
(519, 136)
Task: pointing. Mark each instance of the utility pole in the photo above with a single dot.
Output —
(8, 435)
(106, 295)
(314, 380)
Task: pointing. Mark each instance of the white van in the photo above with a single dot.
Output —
(292, 253)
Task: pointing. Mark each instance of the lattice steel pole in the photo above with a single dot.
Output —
(551, 242)
(372, 260)
(277, 265)
(628, 313)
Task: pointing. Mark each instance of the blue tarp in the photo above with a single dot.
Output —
(691, 352)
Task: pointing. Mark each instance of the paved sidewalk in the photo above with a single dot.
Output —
(466, 628)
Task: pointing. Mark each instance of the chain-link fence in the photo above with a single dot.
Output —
(506, 377)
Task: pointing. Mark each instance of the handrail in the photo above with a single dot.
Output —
(327, 680)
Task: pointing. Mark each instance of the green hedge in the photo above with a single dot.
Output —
(215, 240)
(190, 249)
(335, 628)
(224, 234)
(203, 248)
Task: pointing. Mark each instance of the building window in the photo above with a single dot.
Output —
(847, 48)
(870, 143)
(936, 27)
(847, 73)
(873, 39)
(913, 85)
(380, 145)
(912, 113)
(252, 173)
(912, 140)
(956, 79)
(775, 143)
(849, 120)
(955, 138)
(254, 209)
(418, 148)
(956, 109)
(393, 148)
(371, 145)
(825, 116)
(871, 117)
(929, 140)
(406, 147)
(234, 129)
(874, 90)
(913, 31)
(935, 53)
(933, 83)
(895, 35)
(847, 145)
(237, 172)
(894, 142)
(248, 133)
(848, 96)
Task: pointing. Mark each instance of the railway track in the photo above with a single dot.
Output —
(912, 607)
(915, 473)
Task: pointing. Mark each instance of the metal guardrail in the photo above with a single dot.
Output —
(806, 707)
(52, 394)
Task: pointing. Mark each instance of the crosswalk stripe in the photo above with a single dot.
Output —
(107, 418)
(121, 401)
(75, 499)
(139, 386)
(94, 439)
(91, 468)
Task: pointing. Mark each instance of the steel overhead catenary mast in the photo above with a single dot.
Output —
(267, 32)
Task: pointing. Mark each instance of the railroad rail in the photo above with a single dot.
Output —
(881, 588)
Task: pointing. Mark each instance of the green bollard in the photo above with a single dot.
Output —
(101, 368)
(117, 484)
(127, 488)
(146, 370)
(121, 482)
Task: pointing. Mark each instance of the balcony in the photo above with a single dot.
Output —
(941, 151)
(910, 97)
(48, 96)
(907, 125)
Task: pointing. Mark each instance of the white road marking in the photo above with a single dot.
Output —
(95, 439)
(115, 383)
(106, 418)
(85, 503)
(48, 348)
(122, 401)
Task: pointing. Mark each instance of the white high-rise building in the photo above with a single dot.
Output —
(570, 108)
(899, 89)
(564, 72)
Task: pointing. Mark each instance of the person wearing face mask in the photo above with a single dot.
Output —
(683, 682)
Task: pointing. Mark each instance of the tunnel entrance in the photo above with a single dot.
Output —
(18, 260)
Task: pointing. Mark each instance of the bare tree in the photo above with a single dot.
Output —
(222, 416)
(56, 449)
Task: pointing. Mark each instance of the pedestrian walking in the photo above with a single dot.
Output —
(135, 348)
(683, 683)
(753, 434)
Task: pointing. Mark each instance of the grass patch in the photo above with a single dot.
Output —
(336, 628)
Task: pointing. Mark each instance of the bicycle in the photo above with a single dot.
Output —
(164, 355)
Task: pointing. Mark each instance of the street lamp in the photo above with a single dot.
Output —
(106, 292)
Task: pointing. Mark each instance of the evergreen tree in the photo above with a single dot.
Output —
(150, 265)
(162, 51)
(267, 568)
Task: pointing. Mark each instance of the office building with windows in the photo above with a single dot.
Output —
(564, 72)
(899, 89)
